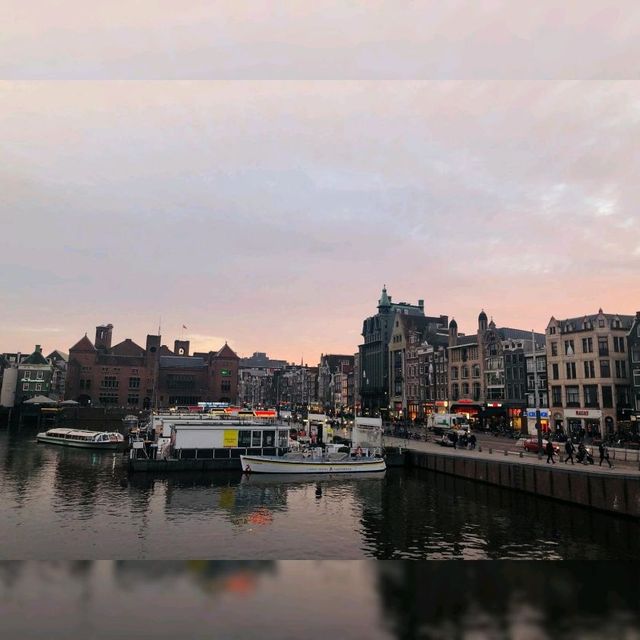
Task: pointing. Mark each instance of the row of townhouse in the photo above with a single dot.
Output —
(581, 375)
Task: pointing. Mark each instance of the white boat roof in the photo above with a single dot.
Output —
(78, 432)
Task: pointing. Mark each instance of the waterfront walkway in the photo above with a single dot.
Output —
(496, 452)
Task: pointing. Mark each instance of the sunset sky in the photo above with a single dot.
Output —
(257, 174)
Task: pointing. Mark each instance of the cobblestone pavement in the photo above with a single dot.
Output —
(509, 450)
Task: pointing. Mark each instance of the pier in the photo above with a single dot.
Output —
(614, 490)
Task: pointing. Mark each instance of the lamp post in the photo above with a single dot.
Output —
(536, 397)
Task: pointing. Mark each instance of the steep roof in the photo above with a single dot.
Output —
(35, 358)
(127, 348)
(226, 352)
(84, 344)
(58, 355)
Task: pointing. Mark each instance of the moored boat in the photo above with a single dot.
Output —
(108, 440)
(297, 463)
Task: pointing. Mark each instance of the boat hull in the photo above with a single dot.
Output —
(78, 444)
(269, 464)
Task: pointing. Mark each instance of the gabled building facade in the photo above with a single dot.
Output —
(589, 376)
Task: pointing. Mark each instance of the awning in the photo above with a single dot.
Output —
(40, 400)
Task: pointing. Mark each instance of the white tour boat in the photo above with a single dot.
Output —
(83, 439)
(315, 463)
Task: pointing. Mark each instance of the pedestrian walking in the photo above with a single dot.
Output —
(454, 439)
(472, 441)
(549, 452)
(569, 449)
(604, 454)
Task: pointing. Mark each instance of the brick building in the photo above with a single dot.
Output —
(128, 375)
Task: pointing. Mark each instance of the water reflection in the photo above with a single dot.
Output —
(65, 503)
(435, 516)
(510, 600)
(302, 599)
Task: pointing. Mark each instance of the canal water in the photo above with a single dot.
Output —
(80, 505)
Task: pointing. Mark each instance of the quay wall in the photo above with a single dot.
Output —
(613, 493)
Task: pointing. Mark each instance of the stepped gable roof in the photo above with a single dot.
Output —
(127, 348)
(226, 352)
(182, 362)
(35, 358)
(84, 344)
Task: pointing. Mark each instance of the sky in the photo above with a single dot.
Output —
(257, 171)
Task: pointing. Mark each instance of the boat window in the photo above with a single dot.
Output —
(268, 438)
(256, 438)
(244, 438)
(283, 438)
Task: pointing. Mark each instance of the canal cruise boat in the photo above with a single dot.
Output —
(106, 440)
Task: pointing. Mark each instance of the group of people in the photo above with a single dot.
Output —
(464, 441)
(582, 456)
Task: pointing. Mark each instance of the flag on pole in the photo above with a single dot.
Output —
(184, 326)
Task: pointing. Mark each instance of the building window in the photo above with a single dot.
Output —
(607, 397)
(225, 385)
(621, 369)
(555, 371)
(636, 378)
(465, 372)
(589, 369)
(590, 395)
(635, 351)
(465, 388)
(623, 396)
(571, 370)
(455, 394)
(109, 382)
(25, 386)
(39, 375)
(605, 369)
(556, 396)
(476, 391)
(603, 346)
(569, 347)
(573, 396)
(618, 344)
(454, 373)
(134, 383)
(552, 330)
(244, 438)
(133, 401)
(587, 345)
(554, 348)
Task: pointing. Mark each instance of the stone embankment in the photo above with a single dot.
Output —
(614, 490)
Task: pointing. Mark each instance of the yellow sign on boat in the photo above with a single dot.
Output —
(230, 438)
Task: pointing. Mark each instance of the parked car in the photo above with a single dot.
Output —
(531, 445)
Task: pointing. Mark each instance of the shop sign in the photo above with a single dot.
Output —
(544, 413)
(494, 404)
(583, 413)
